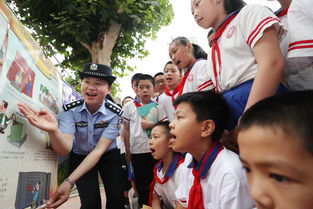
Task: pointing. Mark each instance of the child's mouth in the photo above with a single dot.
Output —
(91, 95)
(172, 139)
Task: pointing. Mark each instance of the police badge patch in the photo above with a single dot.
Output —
(94, 67)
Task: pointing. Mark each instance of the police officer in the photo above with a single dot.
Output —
(87, 130)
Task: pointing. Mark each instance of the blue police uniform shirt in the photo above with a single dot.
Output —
(87, 129)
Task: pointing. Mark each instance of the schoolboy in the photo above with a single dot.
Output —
(167, 172)
(134, 81)
(159, 84)
(136, 129)
(276, 150)
(172, 76)
(214, 177)
(87, 131)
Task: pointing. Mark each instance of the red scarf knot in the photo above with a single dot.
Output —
(216, 49)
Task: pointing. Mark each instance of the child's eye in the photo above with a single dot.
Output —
(197, 3)
(246, 169)
(278, 177)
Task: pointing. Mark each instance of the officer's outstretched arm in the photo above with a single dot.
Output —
(45, 120)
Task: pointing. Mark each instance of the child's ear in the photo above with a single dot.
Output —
(169, 145)
(208, 127)
(189, 46)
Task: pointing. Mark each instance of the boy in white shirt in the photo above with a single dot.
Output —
(167, 172)
(136, 134)
(276, 150)
(214, 177)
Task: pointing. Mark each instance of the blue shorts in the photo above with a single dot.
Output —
(237, 98)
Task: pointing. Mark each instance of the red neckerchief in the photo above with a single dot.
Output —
(176, 161)
(195, 194)
(138, 104)
(216, 49)
(172, 95)
(183, 81)
(281, 12)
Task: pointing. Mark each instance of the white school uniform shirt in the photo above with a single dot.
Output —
(139, 141)
(224, 187)
(199, 78)
(238, 63)
(167, 190)
(284, 35)
(167, 104)
(299, 65)
(300, 21)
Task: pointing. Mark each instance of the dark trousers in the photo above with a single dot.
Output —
(109, 167)
(143, 167)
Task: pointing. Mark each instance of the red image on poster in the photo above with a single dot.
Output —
(21, 75)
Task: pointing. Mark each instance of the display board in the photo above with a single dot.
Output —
(28, 173)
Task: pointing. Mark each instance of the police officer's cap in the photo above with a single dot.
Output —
(98, 71)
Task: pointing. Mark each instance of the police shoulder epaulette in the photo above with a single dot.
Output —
(71, 105)
(113, 107)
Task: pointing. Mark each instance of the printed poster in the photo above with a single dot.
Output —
(29, 168)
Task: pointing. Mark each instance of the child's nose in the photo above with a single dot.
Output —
(260, 193)
(171, 125)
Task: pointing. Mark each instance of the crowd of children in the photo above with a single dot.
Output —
(254, 55)
(177, 131)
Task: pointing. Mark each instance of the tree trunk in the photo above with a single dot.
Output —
(101, 50)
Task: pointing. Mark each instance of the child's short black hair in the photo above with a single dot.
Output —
(135, 77)
(171, 62)
(233, 5)
(145, 77)
(292, 112)
(164, 124)
(127, 97)
(157, 74)
(208, 106)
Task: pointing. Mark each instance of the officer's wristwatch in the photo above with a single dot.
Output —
(70, 182)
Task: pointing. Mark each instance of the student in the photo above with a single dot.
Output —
(167, 172)
(120, 144)
(138, 119)
(245, 58)
(172, 76)
(134, 80)
(199, 123)
(86, 131)
(299, 71)
(126, 100)
(276, 150)
(190, 57)
(159, 84)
